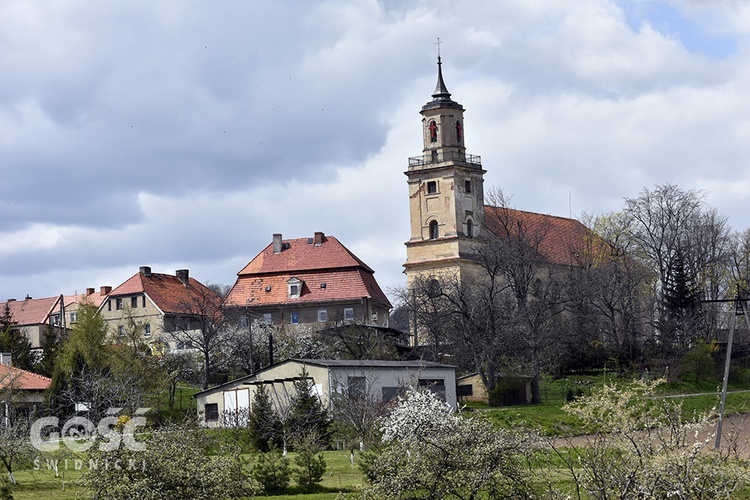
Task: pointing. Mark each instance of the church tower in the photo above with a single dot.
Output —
(446, 192)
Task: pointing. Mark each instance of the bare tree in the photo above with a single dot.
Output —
(357, 407)
(201, 322)
(675, 232)
(512, 251)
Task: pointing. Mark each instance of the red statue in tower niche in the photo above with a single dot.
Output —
(433, 131)
(459, 131)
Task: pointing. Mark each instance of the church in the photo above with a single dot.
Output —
(449, 219)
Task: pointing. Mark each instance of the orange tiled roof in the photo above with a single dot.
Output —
(31, 311)
(560, 239)
(167, 291)
(94, 299)
(345, 276)
(22, 380)
(302, 255)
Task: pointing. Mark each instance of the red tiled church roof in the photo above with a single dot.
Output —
(560, 240)
(166, 291)
(31, 311)
(329, 271)
(22, 380)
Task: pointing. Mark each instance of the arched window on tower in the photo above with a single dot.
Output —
(459, 131)
(469, 229)
(433, 131)
(433, 230)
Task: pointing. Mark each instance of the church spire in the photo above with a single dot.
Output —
(441, 98)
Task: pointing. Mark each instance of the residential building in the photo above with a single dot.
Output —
(21, 391)
(162, 310)
(308, 281)
(34, 316)
(384, 380)
(91, 296)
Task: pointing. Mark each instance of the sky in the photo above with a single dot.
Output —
(184, 134)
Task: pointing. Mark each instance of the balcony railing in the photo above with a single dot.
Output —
(447, 156)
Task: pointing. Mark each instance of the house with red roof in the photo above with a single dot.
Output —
(155, 308)
(21, 391)
(308, 281)
(34, 316)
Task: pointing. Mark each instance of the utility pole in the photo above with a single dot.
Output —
(739, 310)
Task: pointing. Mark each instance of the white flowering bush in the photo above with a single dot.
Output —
(431, 452)
(640, 446)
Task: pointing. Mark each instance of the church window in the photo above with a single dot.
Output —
(467, 186)
(432, 187)
(459, 131)
(469, 229)
(433, 131)
(433, 229)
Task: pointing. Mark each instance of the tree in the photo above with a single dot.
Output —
(272, 471)
(200, 321)
(311, 464)
(15, 447)
(357, 408)
(641, 447)
(609, 293)
(307, 418)
(432, 453)
(14, 341)
(667, 224)
(512, 253)
(174, 464)
(264, 423)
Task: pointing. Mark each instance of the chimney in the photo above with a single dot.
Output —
(182, 275)
(318, 238)
(104, 290)
(145, 270)
(277, 243)
(28, 297)
(6, 359)
(89, 291)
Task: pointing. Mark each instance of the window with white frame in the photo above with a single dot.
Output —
(374, 317)
(147, 330)
(267, 319)
(118, 304)
(295, 287)
(73, 317)
(120, 330)
(322, 315)
(348, 314)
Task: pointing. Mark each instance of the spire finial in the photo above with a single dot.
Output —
(438, 45)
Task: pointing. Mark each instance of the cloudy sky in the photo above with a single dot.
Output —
(183, 134)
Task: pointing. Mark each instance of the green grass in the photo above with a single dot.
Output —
(547, 417)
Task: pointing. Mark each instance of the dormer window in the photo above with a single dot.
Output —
(295, 288)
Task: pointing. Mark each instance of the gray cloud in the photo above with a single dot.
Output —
(185, 134)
